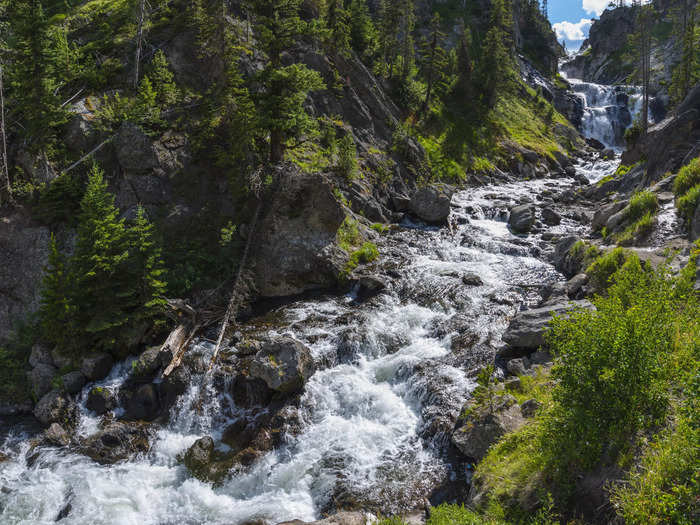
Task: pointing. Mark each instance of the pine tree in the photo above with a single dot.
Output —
(434, 59)
(338, 22)
(363, 34)
(463, 87)
(57, 311)
(408, 23)
(496, 65)
(390, 19)
(285, 88)
(687, 72)
(642, 40)
(163, 80)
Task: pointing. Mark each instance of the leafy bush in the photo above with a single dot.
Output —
(611, 380)
(687, 178)
(348, 235)
(602, 269)
(641, 203)
(688, 203)
(367, 253)
(637, 230)
(347, 157)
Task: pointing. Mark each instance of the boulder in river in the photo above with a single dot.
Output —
(284, 364)
(116, 442)
(432, 203)
(550, 217)
(73, 382)
(341, 518)
(100, 400)
(54, 407)
(41, 378)
(97, 366)
(206, 463)
(57, 435)
(564, 259)
(522, 218)
(144, 403)
(527, 329)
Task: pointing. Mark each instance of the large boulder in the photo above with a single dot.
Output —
(432, 203)
(284, 364)
(695, 225)
(144, 403)
(527, 329)
(603, 214)
(483, 427)
(97, 366)
(54, 407)
(73, 382)
(522, 218)
(205, 462)
(101, 400)
(117, 441)
(564, 258)
(135, 150)
(40, 354)
(341, 518)
(57, 435)
(41, 378)
(295, 249)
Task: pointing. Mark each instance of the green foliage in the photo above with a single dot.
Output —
(622, 169)
(639, 229)
(485, 392)
(688, 203)
(603, 267)
(348, 235)
(366, 253)
(163, 80)
(459, 515)
(363, 34)
(111, 286)
(347, 157)
(688, 177)
(496, 69)
(60, 200)
(14, 356)
(642, 203)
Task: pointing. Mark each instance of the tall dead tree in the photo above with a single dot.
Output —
(139, 41)
(5, 190)
(644, 42)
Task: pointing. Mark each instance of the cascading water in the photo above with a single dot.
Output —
(372, 420)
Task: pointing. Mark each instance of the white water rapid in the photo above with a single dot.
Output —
(373, 420)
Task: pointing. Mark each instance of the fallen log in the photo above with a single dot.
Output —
(177, 343)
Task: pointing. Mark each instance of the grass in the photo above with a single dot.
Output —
(688, 203)
(604, 267)
(641, 203)
(367, 253)
(639, 229)
(348, 236)
(686, 188)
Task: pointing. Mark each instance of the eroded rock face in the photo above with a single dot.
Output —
(526, 331)
(484, 427)
(432, 203)
(284, 364)
(296, 241)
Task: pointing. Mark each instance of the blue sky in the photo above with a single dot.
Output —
(571, 19)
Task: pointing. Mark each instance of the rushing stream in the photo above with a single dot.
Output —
(373, 420)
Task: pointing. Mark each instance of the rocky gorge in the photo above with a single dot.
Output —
(345, 390)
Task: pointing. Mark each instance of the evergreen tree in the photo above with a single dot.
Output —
(363, 34)
(163, 80)
(434, 59)
(281, 101)
(642, 40)
(338, 22)
(390, 19)
(687, 73)
(408, 23)
(57, 310)
(496, 65)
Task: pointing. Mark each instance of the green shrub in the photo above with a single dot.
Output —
(641, 203)
(687, 178)
(367, 253)
(602, 268)
(688, 203)
(637, 230)
(458, 515)
(347, 157)
(348, 235)
(623, 169)
(612, 377)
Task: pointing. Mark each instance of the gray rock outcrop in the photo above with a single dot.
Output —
(284, 364)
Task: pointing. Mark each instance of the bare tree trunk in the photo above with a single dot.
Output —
(5, 190)
(139, 43)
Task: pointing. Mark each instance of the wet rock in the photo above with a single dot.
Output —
(118, 441)
(174, 386)
(40, 354)
(695, 225)
(54, 407)
(472, 279)
(97, 366)
(540, 358)
(101, 400)
(522, 218)
(60, 360)
(57, 435)
(143, 404)
(135, 150)
(284, 364)
(530, 407)
(150, 361)
(550, 217)
(595, 144)
(41, 378)
(432, 203)
(73, 382)
(369, 286)
(527, 329)
(518, 367)
(482, 428)
(575, 285)
(205, 463)
(566, 262)
(464, 341)
(341, 518)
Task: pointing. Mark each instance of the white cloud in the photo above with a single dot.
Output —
(595, 6)
(573, 32)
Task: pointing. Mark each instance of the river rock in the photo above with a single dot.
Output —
(368, 286)
(284, 364)
(60, 360)
(73, 382)
(341, 518)
(97, 366)
(41, 378)
(526, 330)
(695, 225)
(522, 218)
(563, 260)
(143, 404)
(575, 285)
(482, 428)
(57, 435)
(472, 279)
(550, 217)
(117, 441)
(432, 203)
(150, 361)
(518, 366)
(205, 463)
(54, 407)
(101, 400)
